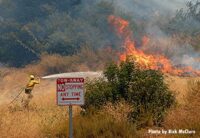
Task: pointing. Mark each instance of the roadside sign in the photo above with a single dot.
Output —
(70, 91)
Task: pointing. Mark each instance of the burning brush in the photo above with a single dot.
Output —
(145, 61)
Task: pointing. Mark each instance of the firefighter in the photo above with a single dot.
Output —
(28, 90)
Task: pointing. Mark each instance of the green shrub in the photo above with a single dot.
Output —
(144, 89)
(98, 93)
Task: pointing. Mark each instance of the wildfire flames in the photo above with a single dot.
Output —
(145, 61)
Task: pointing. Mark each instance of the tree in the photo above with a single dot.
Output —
(186, 21)
(145, 90)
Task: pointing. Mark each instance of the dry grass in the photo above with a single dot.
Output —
(179, 85)
(85, 60)
(17, 122)
(46, 119)
(102, 125)
(187, 115)
(118, 111)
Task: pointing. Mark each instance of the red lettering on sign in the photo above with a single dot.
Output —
(64, 94)
(61, 87)
(68, 80)
(76, 94)
(65, 99)
(70, 91)
(74, 86)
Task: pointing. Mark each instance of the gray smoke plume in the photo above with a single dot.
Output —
(179, 53)
(75, 23)
(152, 12)
(148, 9)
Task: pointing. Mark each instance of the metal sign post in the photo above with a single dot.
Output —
(70, 122)
(70, 91)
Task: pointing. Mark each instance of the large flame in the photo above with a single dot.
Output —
(145, 61)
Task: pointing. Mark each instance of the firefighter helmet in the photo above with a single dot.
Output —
(32, 77)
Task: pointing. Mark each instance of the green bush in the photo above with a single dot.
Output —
(144, 89)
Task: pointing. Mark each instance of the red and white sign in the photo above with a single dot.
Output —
(70, 91)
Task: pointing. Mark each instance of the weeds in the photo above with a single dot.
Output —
(187, 115)
(102, 125)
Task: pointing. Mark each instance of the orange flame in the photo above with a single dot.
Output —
(145, 61)
(145, 40)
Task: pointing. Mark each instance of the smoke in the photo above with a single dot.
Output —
(71, 24)
(149, 9)
(152, 12)
(181, 54)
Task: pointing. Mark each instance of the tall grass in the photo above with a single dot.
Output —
(50, 121)
(86, 60)
(101, 126)
(46, 120)
(94, 125)
(187, 115)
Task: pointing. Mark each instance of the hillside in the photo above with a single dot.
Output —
(64, 27)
